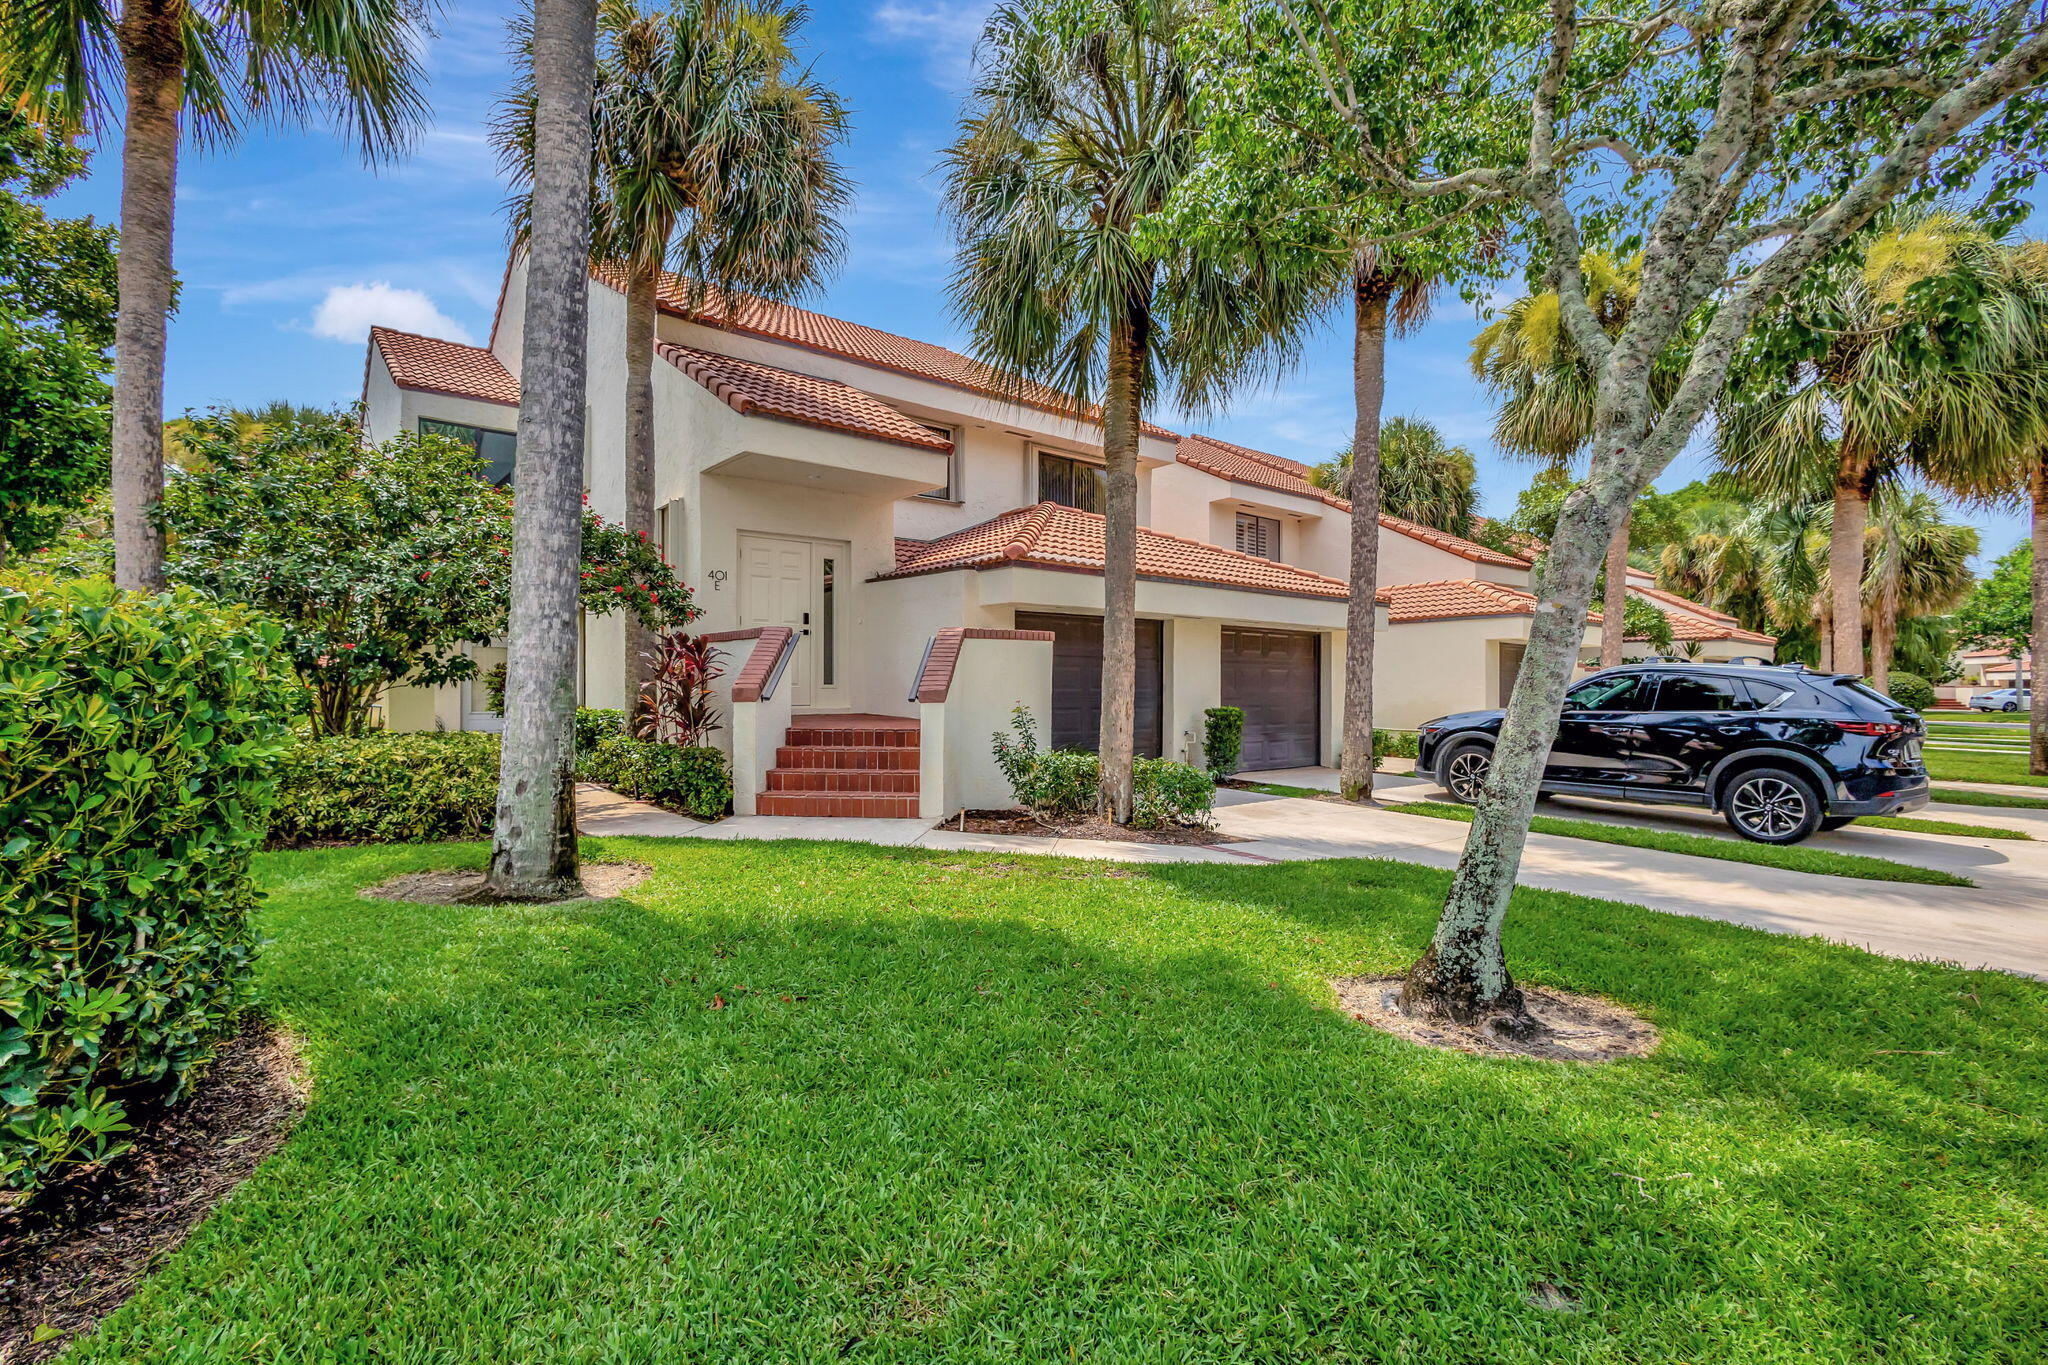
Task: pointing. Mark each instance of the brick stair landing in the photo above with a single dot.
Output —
(850, 766)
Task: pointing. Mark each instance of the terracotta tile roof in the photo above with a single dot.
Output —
(746, 386)
(752, 316)
(1065, 537)
(1240, 464)
(907, 549)
(1685, 627)
(437, 366)
(1684, 604)
(1451, 598)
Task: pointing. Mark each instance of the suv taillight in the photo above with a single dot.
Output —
(1870, 727)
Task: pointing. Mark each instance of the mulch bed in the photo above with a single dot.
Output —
(463, 886)
(1581, 1028)
(1088, 827)
(75, 1252)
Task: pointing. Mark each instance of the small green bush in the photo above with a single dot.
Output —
(1064, 783)
(1910, 689)
(137, 747)
(387, 788)
(1168, 793)
(693, 778)
(1394, 744)
(595, 725)
(1222, 739)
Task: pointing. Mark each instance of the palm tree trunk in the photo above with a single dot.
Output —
(153, 57)
(1368, 386)
(2037, 714)
(1884, 633)
(1853, 475)
(533, 856)
(1121, 417)
(640, 308)
(1613, 613)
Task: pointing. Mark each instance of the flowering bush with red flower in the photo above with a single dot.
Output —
(381, 562)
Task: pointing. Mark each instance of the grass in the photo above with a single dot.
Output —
(1793, 858)
(810, 1101)
(1958, 796)
(1908, 825)
(1963, 765)
(1975, 717)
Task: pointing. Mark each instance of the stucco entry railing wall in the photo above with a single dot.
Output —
(757, 711)
(970, 681)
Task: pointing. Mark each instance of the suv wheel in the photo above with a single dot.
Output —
(1772, 806)
(1465, 772)
(2010, 706)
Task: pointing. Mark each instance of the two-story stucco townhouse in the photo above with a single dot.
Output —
(894, 549)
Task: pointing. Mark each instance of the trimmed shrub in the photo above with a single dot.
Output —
(1168, 793)
(594, 726)
(1910, 689)
(693, 778)
(136, 759)
(1064, 783)
(1222, 739)
(387, 788)
(1395, 744)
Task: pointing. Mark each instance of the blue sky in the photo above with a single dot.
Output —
(288, 247)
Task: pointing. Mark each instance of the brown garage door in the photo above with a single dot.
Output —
(1077, 680)
(1275, 677)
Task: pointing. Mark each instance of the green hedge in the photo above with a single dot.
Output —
(594, 726)
(137, 748)
(694, 778)
(1910, 689)
(387, 788)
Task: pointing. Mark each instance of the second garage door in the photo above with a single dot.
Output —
(1275, 678)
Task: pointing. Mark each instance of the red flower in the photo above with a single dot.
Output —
(618, 589)
(348, 646)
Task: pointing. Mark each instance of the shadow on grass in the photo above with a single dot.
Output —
(805, 1100)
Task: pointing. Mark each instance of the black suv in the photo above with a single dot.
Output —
(1780, 751)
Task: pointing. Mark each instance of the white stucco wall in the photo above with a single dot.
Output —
(991, 677)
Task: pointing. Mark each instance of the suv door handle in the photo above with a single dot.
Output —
(1612, 728)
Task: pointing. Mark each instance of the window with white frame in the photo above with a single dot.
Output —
(1258, 536)
(951, 491)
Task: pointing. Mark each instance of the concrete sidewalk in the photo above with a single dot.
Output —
(2001, 923)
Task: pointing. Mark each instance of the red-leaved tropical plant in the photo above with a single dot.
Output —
(675, 705)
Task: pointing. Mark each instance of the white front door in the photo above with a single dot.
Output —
(799, 583)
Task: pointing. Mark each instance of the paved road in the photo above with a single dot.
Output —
(2002, 922)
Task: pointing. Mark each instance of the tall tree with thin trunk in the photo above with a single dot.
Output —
(1078, 130)
(1705, 134)
(198, 68)
(533, 853)
(713, 157)
(1916, 563)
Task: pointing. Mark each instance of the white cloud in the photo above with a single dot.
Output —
(946, 31)
(348, 311)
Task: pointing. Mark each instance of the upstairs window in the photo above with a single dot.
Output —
(950, 491)
(495, 448)
(1258, 537)
(1069, 482)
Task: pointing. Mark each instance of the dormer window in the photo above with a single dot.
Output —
(1070, 482)
(1258, 536)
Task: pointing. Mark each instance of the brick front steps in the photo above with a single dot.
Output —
(853, 766)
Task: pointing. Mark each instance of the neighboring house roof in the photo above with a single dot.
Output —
(1240, 464)
(1051, 536)
(749, 387)
(750, 315)
(437, 366)
(1689, 628)
(1684, 604)
(1452, 598)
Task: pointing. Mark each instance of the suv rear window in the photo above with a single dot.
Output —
(1870, 694)
(1762, 696)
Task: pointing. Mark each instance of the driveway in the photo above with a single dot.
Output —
(2000, 923)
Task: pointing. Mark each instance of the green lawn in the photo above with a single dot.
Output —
(1966, 765)
(1958, 796)
(959, 1107)
(1910, 825)
(1793, 857)
(1975, 717)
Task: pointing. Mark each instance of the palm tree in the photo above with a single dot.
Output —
(1423, 477)
(1886, 383)
(1079, 127)
(198, 67)
(1917, 563)
(714, 155)
(533, 854)
(1548, 391)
